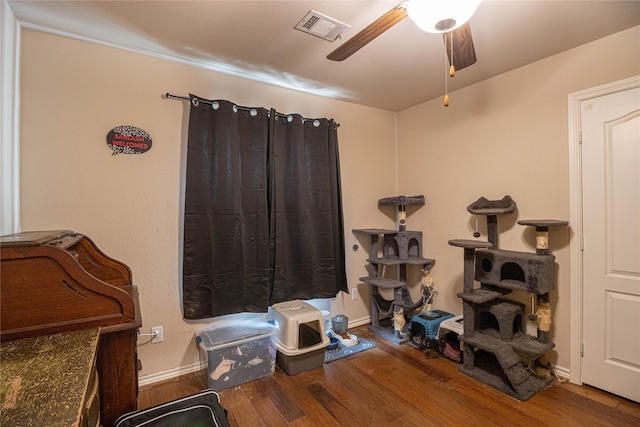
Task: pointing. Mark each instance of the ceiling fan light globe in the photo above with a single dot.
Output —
(441, 16)
(446, 25)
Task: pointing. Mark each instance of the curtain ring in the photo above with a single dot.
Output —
(215, 105)
(195, 102)
(253, 112)
(289, 118)
(235, 108)
(316, 123)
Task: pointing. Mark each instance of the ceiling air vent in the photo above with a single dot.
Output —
(322, 26)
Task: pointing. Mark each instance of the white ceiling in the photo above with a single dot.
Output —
(401, 68)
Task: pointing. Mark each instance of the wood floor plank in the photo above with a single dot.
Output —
(367, 401)
(237, 403)
(378, 404)
(629, 407)
(287, 407)
(572, 403)
(333, 406)
(495, 404)
(340, 382)
(314, 411)
(408, 388)
(619, 403)
(396, 385)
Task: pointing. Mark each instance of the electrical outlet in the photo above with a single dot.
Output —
(354, 294)
(157, 332)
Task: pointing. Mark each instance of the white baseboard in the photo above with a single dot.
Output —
(184, 370)
(562, 372)
(146, 380)
(157, 377)
(359, 322)
(150, 379)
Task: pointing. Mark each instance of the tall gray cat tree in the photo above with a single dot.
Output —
(497, 350)
(400, 248)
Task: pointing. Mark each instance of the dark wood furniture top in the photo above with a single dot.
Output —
(59, 281)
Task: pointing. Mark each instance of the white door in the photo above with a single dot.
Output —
(611, 232)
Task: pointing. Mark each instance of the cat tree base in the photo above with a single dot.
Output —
(386, 330)
(489, 371)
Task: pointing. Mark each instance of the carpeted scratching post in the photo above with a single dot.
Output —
(543, 314)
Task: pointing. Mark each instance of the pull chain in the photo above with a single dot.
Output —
(452, 68)
(446, 82)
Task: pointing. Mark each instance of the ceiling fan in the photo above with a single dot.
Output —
(429, 15)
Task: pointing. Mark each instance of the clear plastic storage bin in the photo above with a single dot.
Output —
(238, 353)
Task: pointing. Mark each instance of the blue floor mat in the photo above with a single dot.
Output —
(343, 351)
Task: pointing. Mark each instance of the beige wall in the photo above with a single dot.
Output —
(506, 135)
(74, 92)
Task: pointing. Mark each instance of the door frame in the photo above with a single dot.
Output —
(575, 215)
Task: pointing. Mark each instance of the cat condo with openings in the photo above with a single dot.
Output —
(398, 250)
(497, 350)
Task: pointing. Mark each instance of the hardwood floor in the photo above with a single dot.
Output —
(393, 385)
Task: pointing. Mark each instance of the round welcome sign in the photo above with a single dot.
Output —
(128, 140)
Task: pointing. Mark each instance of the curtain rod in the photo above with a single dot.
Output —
(278, 114)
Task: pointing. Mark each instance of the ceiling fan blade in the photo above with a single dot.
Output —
(464, 54)
(369, 33)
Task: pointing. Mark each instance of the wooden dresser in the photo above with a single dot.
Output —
(59, 281)
(50, 380)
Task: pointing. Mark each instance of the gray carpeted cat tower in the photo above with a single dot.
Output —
(497, 350)
(400, 248)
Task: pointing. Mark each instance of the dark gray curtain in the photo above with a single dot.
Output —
(226, 222)
(307, 233)
(263, 213)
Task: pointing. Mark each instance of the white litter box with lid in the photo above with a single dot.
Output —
(301, 339)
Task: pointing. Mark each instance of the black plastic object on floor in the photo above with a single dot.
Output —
(199, 410)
